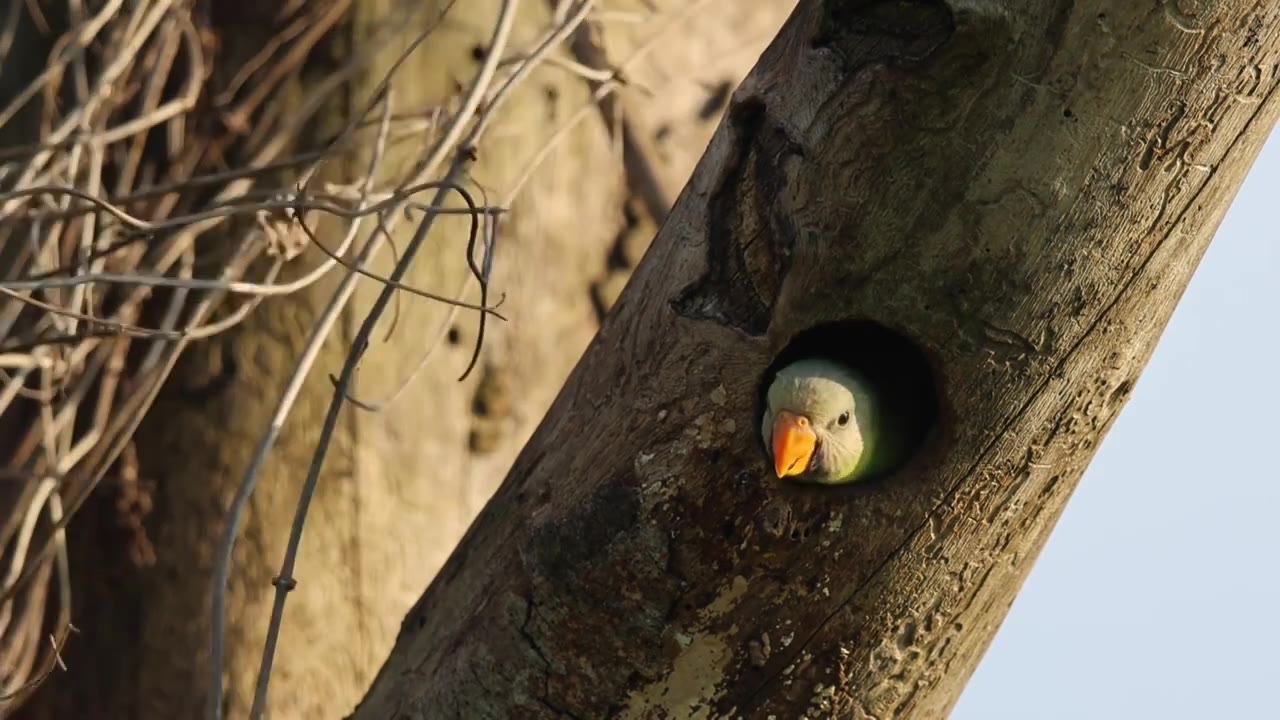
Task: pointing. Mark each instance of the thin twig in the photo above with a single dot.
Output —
(284, 581)
(235, 514)
(120, 77)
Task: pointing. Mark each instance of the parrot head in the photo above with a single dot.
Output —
(819, 422)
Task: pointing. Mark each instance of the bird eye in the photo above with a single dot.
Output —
(843, 419)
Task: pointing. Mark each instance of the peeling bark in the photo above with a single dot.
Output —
(1024, 191)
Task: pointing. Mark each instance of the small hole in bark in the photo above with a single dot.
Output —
(728, 529)
(1121, 392)
(479, 53)
(896, 369)
(1066, 113)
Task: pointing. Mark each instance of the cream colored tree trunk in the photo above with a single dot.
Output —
(1023, 191)
(400, 486)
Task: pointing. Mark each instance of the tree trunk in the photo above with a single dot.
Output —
(1022, 191)
(401, 485)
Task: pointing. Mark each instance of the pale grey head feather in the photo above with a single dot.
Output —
(823, 391)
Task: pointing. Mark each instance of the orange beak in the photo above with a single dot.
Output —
(793, 443)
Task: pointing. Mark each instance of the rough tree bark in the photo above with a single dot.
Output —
(380, 528)
(1020, 189)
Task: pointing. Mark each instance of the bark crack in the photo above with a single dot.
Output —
(750, 232)
(545, 699)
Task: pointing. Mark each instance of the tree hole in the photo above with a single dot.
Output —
(897, 370)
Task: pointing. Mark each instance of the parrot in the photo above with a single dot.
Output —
(823, 423)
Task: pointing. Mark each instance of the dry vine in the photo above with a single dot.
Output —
(111, 172)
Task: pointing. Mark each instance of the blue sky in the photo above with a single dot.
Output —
(1158, 594)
